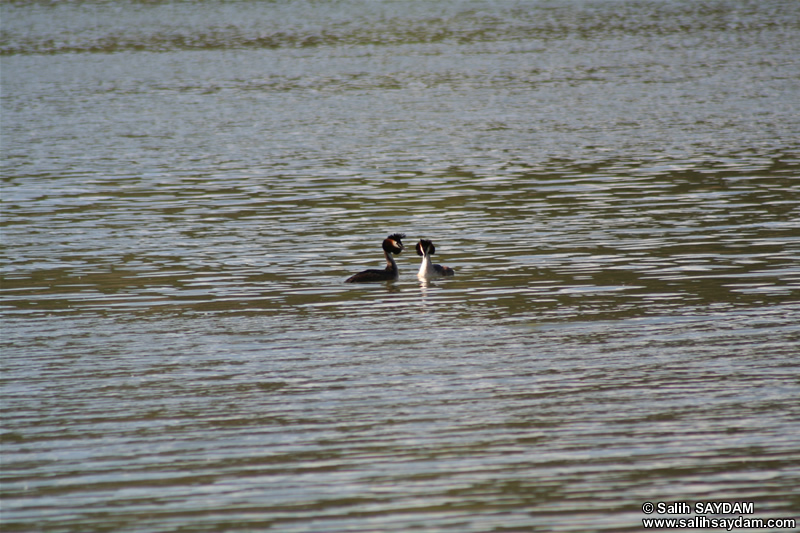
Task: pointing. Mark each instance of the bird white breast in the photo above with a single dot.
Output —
(426, 270)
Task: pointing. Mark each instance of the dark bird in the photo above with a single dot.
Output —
(391, 245)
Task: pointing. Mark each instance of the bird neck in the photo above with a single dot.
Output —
(426, 268)
(390, 264)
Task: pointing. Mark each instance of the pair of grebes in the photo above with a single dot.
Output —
(393, 245)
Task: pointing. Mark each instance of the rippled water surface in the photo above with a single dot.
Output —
(186, 185)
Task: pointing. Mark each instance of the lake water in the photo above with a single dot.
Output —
(186, 186)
